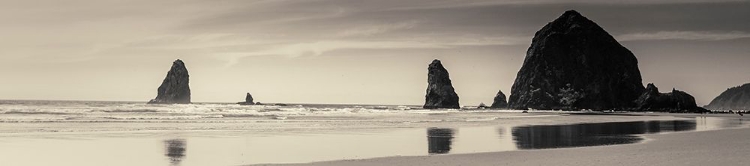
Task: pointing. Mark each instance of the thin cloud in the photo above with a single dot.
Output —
(200, 41)
(444, 4)
(684, 35)
(473, 40)
(377, 29)
(321, 47)
(318, 48)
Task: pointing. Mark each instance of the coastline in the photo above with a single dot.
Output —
(713, 147)
(368, 139)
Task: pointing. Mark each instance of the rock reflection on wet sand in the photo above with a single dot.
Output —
(439, 140)
(175, 150)
(592, 134)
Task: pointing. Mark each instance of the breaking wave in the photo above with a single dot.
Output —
(99, 111)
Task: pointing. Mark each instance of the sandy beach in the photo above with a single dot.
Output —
(196, 135)
(718, 147)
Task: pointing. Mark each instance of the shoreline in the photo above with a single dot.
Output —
(711, 147)
(319, 140)
(330, 123)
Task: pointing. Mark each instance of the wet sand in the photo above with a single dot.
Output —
(468, 138)
(717, 147)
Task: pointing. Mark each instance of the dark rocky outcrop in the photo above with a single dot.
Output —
(736, 98)
(675, 101)
(499, 101)
(440, 92)
(175, 88)
(574, 64)
(248, 100)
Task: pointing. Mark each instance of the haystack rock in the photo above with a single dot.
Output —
(736, 98)
(248, 100)
(440, 92)
(675, 101)
(175, 88)
(574, 64)
(499, 101)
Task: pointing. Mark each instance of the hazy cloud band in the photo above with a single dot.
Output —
(684, 35)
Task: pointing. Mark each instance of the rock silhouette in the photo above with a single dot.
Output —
(440, 92)
(736, 98)
(574, 64)
(175, 88)
(675, 101)
(499, 101)
(248, 100)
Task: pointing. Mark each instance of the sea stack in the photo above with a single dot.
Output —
(574, 64)
(248, 100)
(675, 101)
(499, 101)
(440, 92)
(736, 98)
(175, 88)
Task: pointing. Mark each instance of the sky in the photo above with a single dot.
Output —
(344, 51)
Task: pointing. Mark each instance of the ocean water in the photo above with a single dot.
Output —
(135, 133)
(39, 110)
(23, 116)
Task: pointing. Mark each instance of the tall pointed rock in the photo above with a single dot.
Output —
(440, 92)
(573, 64)
(175, 88)
(499, 101)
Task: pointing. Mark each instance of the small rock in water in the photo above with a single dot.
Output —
(482, 106)
(248, 100)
